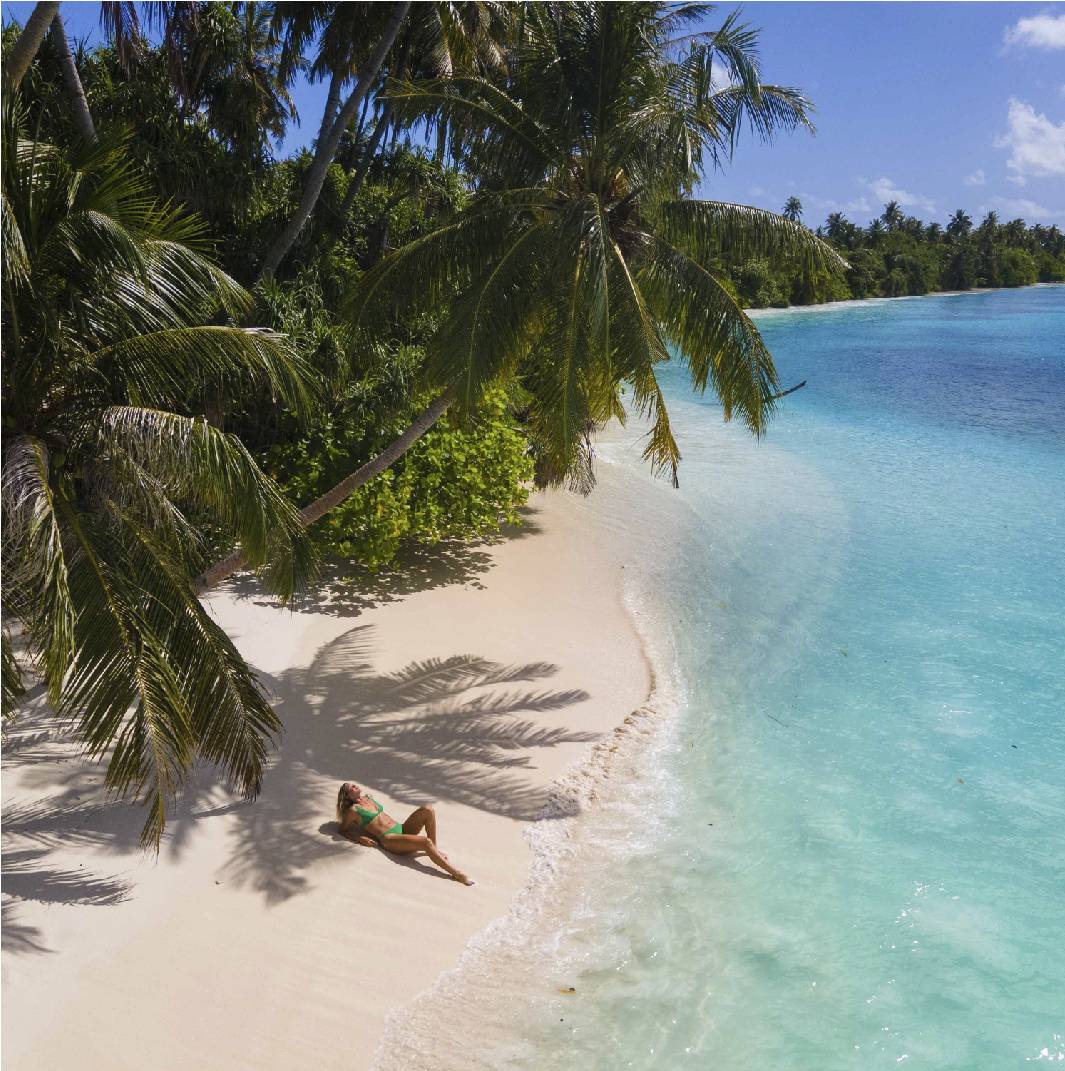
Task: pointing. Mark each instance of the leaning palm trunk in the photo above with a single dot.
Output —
(317, 509)
(82, 116)
(327, 147)
(362, 170)
(332, 103)
(28, 42)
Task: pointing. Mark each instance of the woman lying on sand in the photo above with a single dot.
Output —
(363, 819)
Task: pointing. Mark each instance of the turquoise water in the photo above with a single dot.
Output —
(847, 849)
(878, 717)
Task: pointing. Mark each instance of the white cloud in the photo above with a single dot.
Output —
(1036, 144)
(757, 191)
(817, 204)
(1029, 211)
(1039, 31)
(977, 178)
(884, 190)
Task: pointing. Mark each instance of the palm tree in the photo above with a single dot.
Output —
(242, 84)
(892, 215)
(912, 226)
(111, 487)
(28, 42)
(46, 18)
(331, 22)
(82, 117)
(876, 232)
(224, 61)
(960, 224)
(581, 260)
(839, 229)
(792, 210)
(438, 40)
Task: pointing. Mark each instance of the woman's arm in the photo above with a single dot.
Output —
(353, 831)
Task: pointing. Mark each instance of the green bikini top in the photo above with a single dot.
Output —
(367, 816)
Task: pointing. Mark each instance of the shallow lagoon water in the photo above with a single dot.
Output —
(844, 846)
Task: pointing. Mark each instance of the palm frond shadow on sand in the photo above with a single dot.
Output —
(454, 729)
(18, 936)
(66, 814)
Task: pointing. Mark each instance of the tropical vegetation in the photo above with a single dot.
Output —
(897, 255)
(218, 357)
(582, 257)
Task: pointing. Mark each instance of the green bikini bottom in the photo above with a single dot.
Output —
(397, 828)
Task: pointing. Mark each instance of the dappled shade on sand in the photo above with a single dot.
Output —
(455, 729)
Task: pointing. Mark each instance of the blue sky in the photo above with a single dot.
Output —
(937, 105)
(913, 101)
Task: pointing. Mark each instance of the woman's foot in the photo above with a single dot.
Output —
(459, 876)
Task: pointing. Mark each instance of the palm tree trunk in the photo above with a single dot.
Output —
(326, 150)
(364, 164)
(362, 117)
(332, 102)
(26, 45)
(82, 116)
(399, 69)
(317, 509)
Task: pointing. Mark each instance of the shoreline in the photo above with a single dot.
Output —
(492, 976)
(493, 965)
(256, 890)
(828, 306)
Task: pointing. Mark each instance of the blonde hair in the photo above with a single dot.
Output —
(341, 797)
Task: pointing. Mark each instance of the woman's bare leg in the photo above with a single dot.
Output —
(422, 818)
(408, 844)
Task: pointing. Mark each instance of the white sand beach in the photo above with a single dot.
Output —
(258, 937)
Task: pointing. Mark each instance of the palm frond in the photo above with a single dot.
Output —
(486, 331)
(130, 489)
(767, 111)
(733, 46)
(165, 368)
(214, 471)
(232, 722)
(193, 283)
(710, 229)
(422, 274)
(716, 338)
(37, 557)
(475, 110)
(123, 694)
(638, 348)
(85, 242)
(16, 262)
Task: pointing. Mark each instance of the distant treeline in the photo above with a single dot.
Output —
(898, 255)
